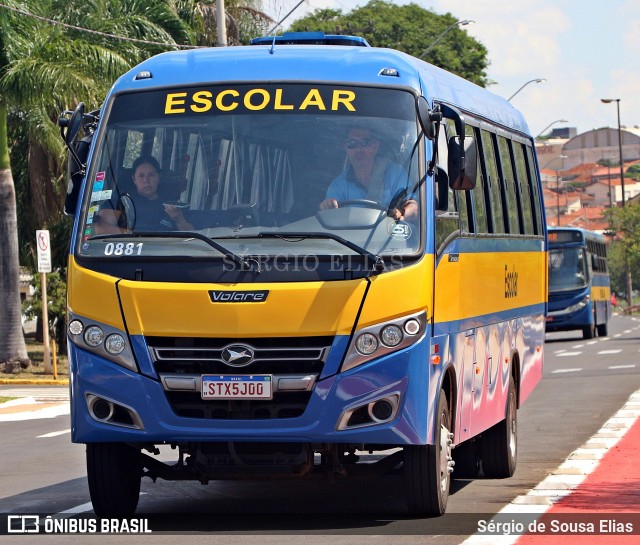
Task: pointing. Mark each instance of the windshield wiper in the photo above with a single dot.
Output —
(377, 262)
(244, 264)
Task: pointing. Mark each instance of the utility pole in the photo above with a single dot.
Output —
(221, 23)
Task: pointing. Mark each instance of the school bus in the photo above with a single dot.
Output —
(270, 334)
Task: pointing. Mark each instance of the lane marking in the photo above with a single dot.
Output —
(603, 352)
(578, 346)
(576, 369)
(570, 354)
(53, 434)
(632, 366)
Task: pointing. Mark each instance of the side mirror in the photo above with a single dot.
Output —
(427, 117)
(463, 163)
(70, 123)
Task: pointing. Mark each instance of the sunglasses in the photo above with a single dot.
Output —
(353, 143)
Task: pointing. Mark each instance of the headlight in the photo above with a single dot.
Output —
(366, 344)
(75, 327)
(93, 336)
(108, 342)
(384, 338)
(114, 344)
(391, 335)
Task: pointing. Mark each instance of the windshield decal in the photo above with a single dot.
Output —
(256, 99)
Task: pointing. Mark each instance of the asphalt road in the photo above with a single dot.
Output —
(584, 383)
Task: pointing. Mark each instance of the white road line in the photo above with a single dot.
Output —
(603, 352)
(575, 370)
(570, 354)
(617, 335)
(621, 366)
(53, 434)
(578, 346)
(596, 342)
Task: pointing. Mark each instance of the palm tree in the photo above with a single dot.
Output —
(244, 19)
(44, 69)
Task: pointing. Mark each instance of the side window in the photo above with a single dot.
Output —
(478, 194)
(524, 188)
(492, 180)
(509, 183)
(535, 195)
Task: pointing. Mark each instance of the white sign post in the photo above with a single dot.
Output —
(44, 267)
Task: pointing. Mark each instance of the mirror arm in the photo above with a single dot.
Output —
(453, 113)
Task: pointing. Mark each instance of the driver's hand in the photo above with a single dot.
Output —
(408, 211)
(328, 204)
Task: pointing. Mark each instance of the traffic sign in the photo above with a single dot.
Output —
(44, 251)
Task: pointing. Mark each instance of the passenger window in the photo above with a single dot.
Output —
(509, 184)
(478, 194)
(524, 188)
(493, 182)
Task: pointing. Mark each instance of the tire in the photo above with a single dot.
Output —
(467, 461)
(427, 468)
(499, 444)
(603, 330)
(589, 332)
(114, 471)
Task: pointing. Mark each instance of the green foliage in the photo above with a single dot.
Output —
(625, 250)
(409, 28)
(633, 172)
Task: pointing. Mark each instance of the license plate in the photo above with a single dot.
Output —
(236, 387)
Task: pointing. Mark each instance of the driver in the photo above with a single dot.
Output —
(369, 176)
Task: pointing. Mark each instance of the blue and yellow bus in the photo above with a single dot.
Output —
(579, 284)
(265, 333)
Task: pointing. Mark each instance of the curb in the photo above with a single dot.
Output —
(50, 382)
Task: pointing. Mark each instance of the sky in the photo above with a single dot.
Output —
(584, 49)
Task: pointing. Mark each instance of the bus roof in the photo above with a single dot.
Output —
(353, 65)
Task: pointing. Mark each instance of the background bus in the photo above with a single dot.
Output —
(579, 285)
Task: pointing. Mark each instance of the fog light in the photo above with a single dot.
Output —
(391, 335)
(76, 327)
(114, 344)
(366, 344)
(93, 336)
(381, 410)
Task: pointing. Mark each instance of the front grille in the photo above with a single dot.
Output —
(188, 358)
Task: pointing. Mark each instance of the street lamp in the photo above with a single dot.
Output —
(627, 264)
(617, 101)
(462, 22)
(550, 124)
(537, 80)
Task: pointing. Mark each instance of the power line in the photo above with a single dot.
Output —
(97, 32)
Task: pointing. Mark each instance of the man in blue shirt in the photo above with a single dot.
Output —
(370, 177)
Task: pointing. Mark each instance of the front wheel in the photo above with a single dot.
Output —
(427, 468)
(499, 444)
(114, 471)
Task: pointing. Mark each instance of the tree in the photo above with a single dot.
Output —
(409, 28)
(626, 224)
(44, 68)
(244, 20)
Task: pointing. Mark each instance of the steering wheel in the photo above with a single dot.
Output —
(365, 203)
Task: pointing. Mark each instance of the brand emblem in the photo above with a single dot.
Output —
(224, 296)
(237, 355)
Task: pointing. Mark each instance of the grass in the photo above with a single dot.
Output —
(35, 351)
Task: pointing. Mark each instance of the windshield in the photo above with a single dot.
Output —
(567, 269)
(238, 164)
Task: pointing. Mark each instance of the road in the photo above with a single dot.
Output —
(584, 384)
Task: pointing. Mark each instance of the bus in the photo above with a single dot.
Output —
(579, 284)
(274, 327)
